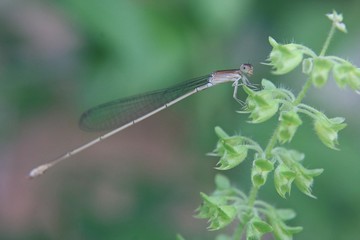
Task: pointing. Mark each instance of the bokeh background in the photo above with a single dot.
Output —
(58, 58)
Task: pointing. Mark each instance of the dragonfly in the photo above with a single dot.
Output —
(117, 115)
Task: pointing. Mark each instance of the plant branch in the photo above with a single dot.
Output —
(328, 40)
(250, 205)
(272, 142)
(303, 92)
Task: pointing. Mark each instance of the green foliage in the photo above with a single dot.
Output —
(286, 57)
(289, 121)
(261, 168)
(232, 150)
(261, 105)
(291, 169)
(227, 203)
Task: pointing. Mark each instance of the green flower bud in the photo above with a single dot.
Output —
(223, 217)
(216, 210)
(283, 231)
(231, 159)
(327, 130)
(260, 170)
(231, 150)
(305, 178)
(276, 218)
(289, 122)
(337, 19)
(290, 169)
(284, 58)
(261, 104)
(257, 228)
(347, 75)
(283, 179)
(320, 71)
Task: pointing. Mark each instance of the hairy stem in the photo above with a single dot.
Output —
(328, 40)
(252, 196)
(272, 142)
(303, 92)
(251, 201)
(307, 85)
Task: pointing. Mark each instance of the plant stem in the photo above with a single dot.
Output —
(272, 142)
(303, 92)
(328, 39)
(307, 85)
(252, 196)
(254, 190)
(251, 201)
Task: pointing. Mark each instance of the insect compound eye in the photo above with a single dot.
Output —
(247, 68)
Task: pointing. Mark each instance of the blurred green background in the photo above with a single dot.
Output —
(58, 58)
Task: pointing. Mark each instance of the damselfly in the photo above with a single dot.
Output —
(120, 114)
